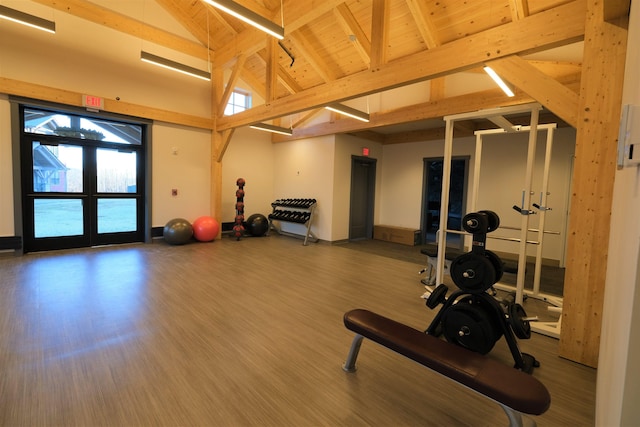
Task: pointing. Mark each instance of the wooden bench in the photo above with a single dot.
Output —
(516, 392)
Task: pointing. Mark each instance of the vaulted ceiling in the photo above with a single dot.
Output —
(336, 50)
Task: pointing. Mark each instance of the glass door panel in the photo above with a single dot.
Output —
(58, 217)
(58, 184)
(116, 189)
(116, 171)
(117, 215)
(57, 168)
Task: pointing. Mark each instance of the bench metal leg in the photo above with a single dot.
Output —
(516, 419)
(350, 363)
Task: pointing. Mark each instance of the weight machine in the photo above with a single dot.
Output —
(471, 317)
(497, 116)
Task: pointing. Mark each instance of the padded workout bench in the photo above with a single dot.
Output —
(431, 251)
(516, 392)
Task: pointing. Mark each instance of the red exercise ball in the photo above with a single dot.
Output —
(205, 229)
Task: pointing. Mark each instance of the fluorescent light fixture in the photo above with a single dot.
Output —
(348, 111)
(175, 66)
(26, 19)
(496, 78)
(248, 16)
(271, 128)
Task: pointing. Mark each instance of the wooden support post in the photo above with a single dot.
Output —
(593, 176)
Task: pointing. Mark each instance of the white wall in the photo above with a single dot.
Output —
(40, 58)
(502, 172)
(109, 72)
(181, 160)
(618, 382)
(6, 170)
(250, 155)
(402, 172)
(346, 147)
(305, 169)
(502, 180)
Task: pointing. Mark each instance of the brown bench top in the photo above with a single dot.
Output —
(498, 381)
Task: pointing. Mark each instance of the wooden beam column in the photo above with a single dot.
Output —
(595, 164)
(215, 185)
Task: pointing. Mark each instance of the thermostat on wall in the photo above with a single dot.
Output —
(629, 137)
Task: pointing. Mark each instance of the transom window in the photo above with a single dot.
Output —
(44, 122)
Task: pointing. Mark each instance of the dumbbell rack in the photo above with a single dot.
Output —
(297, 211)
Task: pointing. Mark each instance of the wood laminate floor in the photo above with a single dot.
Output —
(232, 333)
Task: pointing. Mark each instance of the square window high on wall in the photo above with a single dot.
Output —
(239, 100)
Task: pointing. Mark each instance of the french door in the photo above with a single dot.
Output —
(82, 184)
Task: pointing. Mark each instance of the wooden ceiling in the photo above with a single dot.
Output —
(336, 50)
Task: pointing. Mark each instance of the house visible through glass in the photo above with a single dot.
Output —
(59, 167)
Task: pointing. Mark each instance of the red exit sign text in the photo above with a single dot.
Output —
(93, 102)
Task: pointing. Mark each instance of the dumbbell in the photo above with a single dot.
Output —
(437, 296)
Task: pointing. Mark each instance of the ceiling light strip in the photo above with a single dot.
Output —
(349, 112)
(271, 128)
(496, 78)
(174, 66)
(248, 16)
(27, 19)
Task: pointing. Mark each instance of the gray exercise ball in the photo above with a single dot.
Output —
(177, 231)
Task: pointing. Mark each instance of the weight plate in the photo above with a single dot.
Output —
(438, 296)
(497, 263)
(473, 272)
(493, 220)
(521, 328)
(475, 223)
(469, 326)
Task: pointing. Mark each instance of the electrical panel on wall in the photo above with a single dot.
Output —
(629, 137)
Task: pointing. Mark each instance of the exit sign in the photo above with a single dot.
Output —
(365, 151)
(93, 102)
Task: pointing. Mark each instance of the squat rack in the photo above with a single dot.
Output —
(497, 116)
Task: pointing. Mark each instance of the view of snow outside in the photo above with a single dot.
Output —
(116, 173)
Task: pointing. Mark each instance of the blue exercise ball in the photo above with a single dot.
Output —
(177, 231)
(257, 225)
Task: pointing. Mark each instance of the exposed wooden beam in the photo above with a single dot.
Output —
(233, 78)
(307, 46)
(369, 135)
(256, 83)
(423, 20)
(307, 116)
(544, 89)
(419, 136)
(411, 113)
(519, 9)
(283, 77)
(565, 24)
(436, 88)
(221, 144)
(61, 96)
(615, 9)
(187, 19)
(119, 22)
(271, 76)
(353, 29)
(251, 40)
(468, 126)
(379, 33)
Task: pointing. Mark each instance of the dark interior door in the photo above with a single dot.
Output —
(432, 189)
(363, 182)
